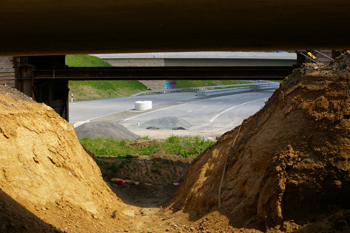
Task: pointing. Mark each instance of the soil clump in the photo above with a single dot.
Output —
(289, 169)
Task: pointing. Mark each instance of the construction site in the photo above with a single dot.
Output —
(284, 169)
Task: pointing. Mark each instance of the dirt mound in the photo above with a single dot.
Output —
(48, 182)
(104, 130)
(290, 164)
(166, 123)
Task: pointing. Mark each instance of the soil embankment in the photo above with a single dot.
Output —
(48, 182)
(289, 167)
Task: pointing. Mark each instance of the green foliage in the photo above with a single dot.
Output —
(85, 61)
(201, 83)
(99, 88)
(184, 146)
(173, 139)
(110, 85)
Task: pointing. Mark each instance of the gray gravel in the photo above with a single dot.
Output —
(166, 123)
(104, 130)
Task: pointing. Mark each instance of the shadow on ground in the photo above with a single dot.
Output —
(14, 218)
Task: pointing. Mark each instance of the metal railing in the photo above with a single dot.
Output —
(231, 91)
(196, 89)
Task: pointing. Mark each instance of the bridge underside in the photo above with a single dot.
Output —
(41, 27)
(45, 78)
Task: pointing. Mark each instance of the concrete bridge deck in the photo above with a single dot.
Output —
(207, 59)
(41, 27)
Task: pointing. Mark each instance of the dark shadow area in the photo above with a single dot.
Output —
(149, 182)
(144, 195)
(14, 218)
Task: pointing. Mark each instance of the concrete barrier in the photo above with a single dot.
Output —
(143, 105)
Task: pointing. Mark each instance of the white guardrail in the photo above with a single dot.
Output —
(208, 91)
(231, 91)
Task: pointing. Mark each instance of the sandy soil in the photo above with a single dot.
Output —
(289, 167)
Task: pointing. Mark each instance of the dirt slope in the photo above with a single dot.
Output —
(289, 167)
(48, 182)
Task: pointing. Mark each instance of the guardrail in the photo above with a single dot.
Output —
(196, 89)
(254, 88)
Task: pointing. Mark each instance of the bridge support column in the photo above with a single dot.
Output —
(53, 93)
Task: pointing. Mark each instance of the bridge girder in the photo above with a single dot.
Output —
(41, 27)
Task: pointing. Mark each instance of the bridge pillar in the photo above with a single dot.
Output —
(53, 93)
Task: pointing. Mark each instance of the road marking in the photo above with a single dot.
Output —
(213, 119)
(190, 111)
(153, 111)
(78, 123)
(196, 100)
(204, 106)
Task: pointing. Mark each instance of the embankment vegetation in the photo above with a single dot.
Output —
(174, 145)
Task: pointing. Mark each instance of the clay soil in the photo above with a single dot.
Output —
(285, 169)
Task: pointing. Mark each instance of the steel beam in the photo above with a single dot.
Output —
(161, 73)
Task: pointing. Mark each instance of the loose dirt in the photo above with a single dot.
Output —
(156, 169)
(288, 170)
(48, 182)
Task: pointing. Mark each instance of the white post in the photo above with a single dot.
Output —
(72, 98)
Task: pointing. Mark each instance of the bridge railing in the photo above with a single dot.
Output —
(196, 89)
(208, 91)
(231, 91)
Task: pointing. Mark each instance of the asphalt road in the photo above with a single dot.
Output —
(208, 114)
(87, 110)
(205, 115)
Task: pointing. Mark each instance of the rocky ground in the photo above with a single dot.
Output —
(285, 169)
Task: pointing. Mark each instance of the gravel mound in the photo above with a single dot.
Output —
(104, 130)
(286, 168)
(166, 123)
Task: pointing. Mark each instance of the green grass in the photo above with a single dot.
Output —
(201, 83)
(184, 146)
(85, 61)
(88, 90)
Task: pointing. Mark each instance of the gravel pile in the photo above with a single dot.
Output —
(166, 123)
(104, 130)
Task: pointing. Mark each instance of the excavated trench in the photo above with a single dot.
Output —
(285, 169)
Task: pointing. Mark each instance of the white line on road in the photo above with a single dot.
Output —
(213, 119)
(221, 97)
(190, 111)
(152, 112)
(204, 106)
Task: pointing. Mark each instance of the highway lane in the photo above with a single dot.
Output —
(220, 113)
(87, 110)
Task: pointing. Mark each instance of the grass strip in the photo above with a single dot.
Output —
(174, 145)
